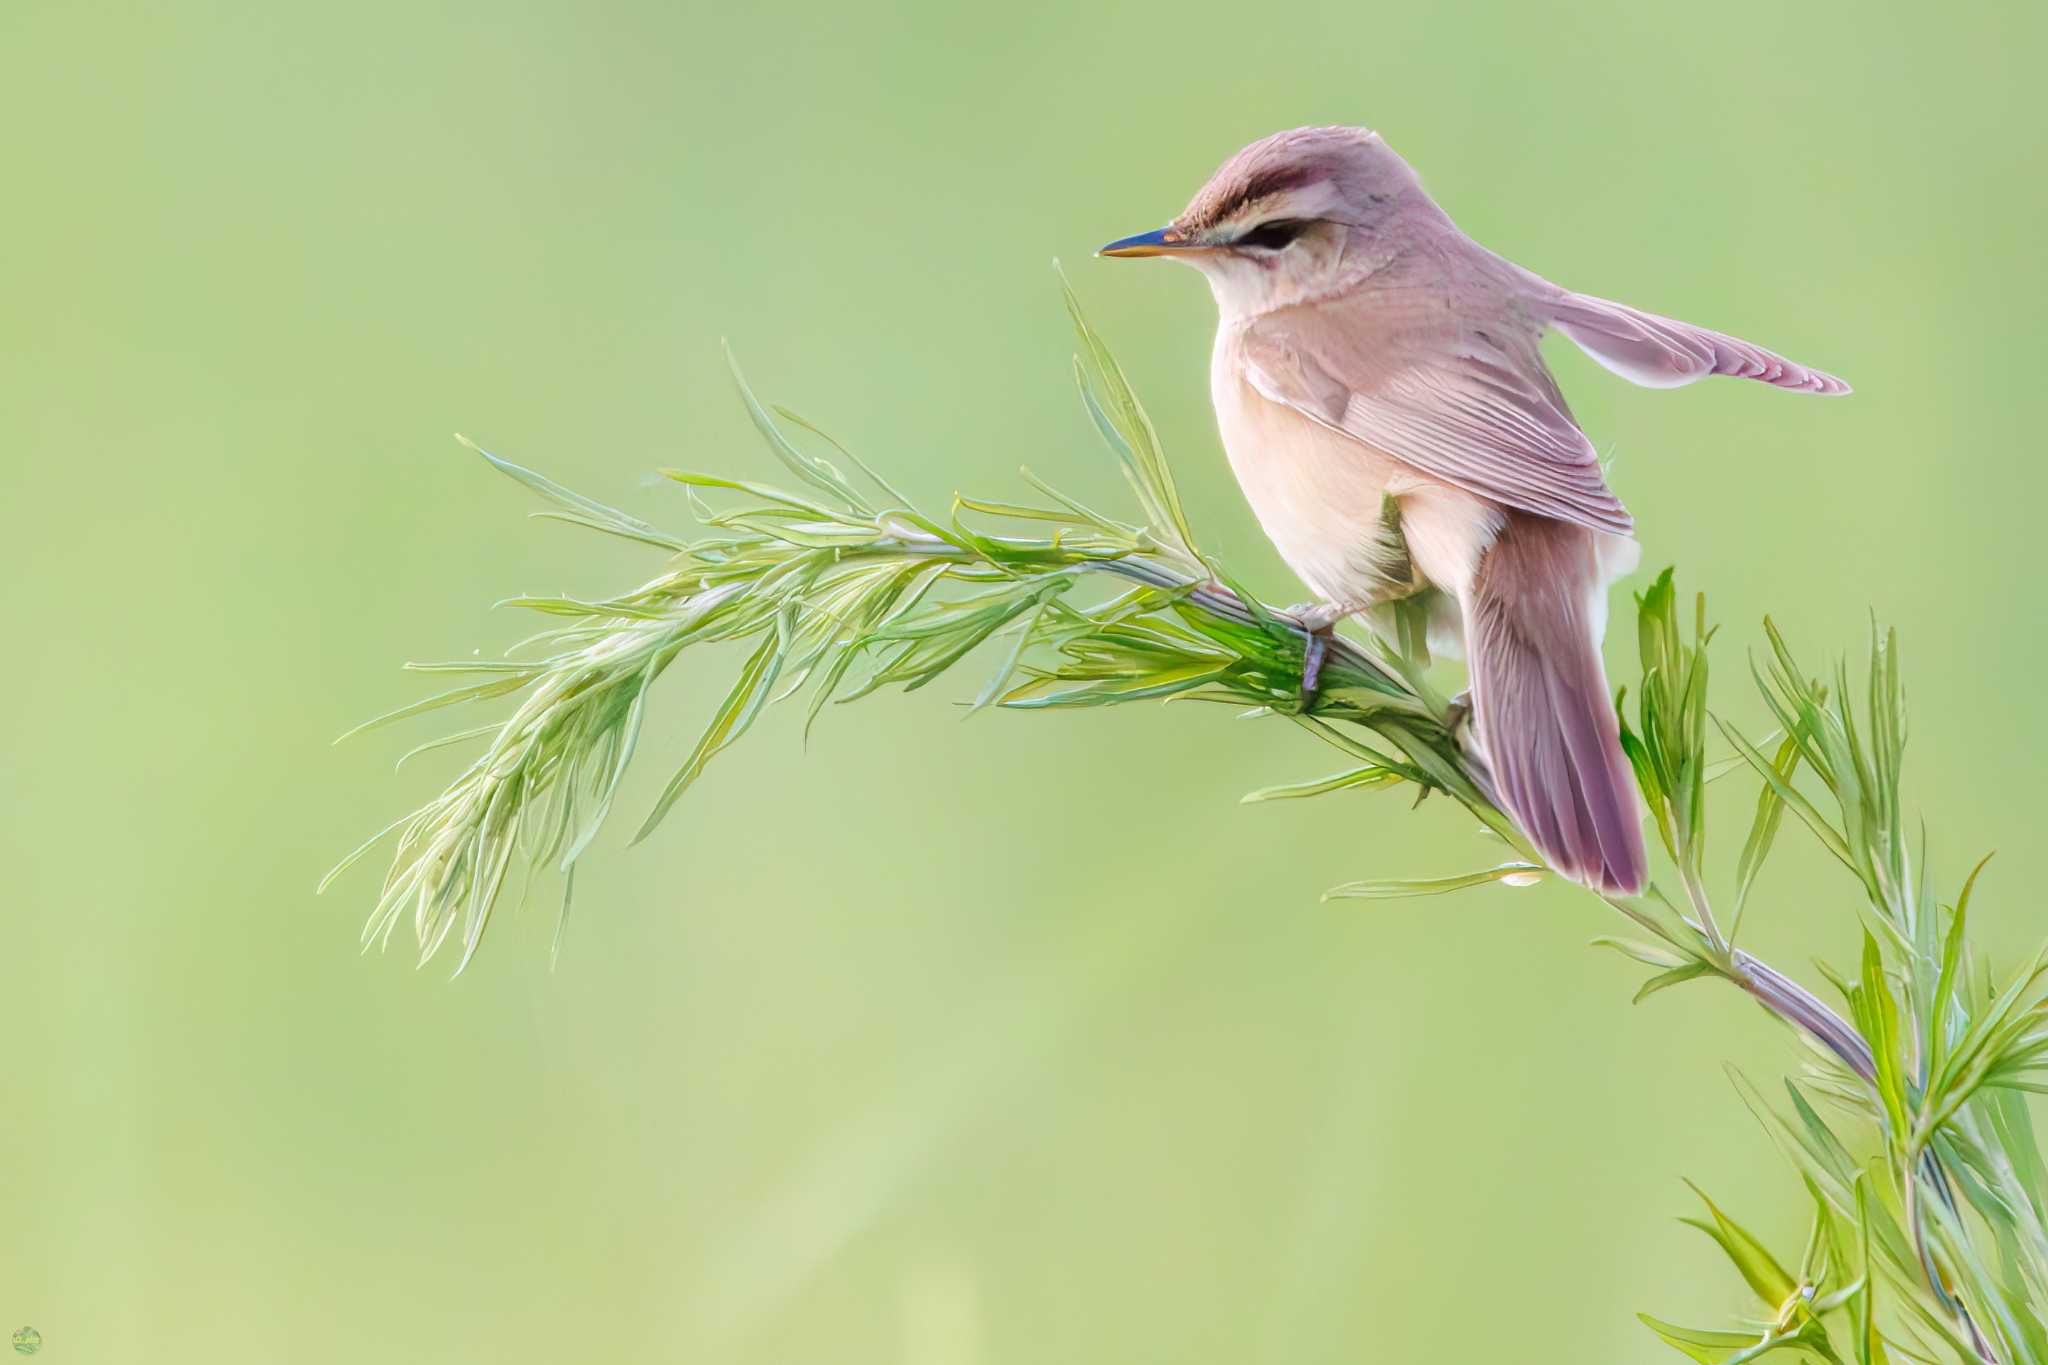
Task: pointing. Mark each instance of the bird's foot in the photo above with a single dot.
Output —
(1458, 714)
(1318, 622)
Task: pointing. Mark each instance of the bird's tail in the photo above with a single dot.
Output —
(1534, 617)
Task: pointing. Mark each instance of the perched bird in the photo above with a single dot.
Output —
(1387, 412)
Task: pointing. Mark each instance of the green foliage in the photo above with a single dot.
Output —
(1927, 1188)
(1927, 1191)
(843, 588)
(1667, 746)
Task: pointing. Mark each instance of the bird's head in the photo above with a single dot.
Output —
(1294, 216)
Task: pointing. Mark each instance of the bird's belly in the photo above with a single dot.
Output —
(1320, 496)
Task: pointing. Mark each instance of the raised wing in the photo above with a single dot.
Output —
(1470, 406)
(1663, 353)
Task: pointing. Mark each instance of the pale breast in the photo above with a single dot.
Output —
(1318, 496)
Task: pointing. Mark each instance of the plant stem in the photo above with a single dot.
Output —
(1790, 1001)
(1222, 602)
(1799, 1007)
(1775, 991)
(1211, 597)
(1697, 894)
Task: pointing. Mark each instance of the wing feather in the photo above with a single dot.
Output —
(1472, 407)
(1663, 353)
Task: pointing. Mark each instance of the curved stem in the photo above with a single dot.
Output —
(1796, 1005)
(1222, 602)
(1799, 1007)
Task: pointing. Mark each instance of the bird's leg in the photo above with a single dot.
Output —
(1313, 653)
(1458, 713)
(1317, 621)
(1391, 578)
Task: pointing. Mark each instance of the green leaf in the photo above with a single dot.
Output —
(1985, 1045)
(1944, 1006)
(1014, 511)
(1667, 746)
(629, 740)
(2013, 1127)
(1083, 513)
(1732, 1348)
(1133, 687)
(731, 720)
(1129, 432)
(1000, 680)
(586, 511)
(1677, 976)
(1762, 1271)
(1763, 829)
(1877, 1016)
(779, 502)
(1702, 1344)
(1863, 1305)
(856, 461)
(1513, 873)
(1649, 954)
(1736, 763)
(1830, 837)
(820, 474)
(356, 854)
(483, 691)
(1369, 776)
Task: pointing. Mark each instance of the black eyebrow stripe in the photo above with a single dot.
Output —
(1270, 183)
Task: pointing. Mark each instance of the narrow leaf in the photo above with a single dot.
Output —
(1513, 873)
(1758, 1267)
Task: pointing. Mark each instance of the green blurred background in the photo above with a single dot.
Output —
(1016, 1040)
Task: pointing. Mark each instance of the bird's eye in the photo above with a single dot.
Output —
(1275, 234)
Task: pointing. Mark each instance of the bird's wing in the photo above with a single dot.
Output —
(1663, 353)
(1470, 405)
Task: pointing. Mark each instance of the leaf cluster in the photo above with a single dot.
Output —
(1925, 1184)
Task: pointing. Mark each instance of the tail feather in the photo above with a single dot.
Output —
(1540, 699)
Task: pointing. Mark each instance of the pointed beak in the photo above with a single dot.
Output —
(1159, 242)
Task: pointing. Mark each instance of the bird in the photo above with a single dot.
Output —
(1389, 416)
